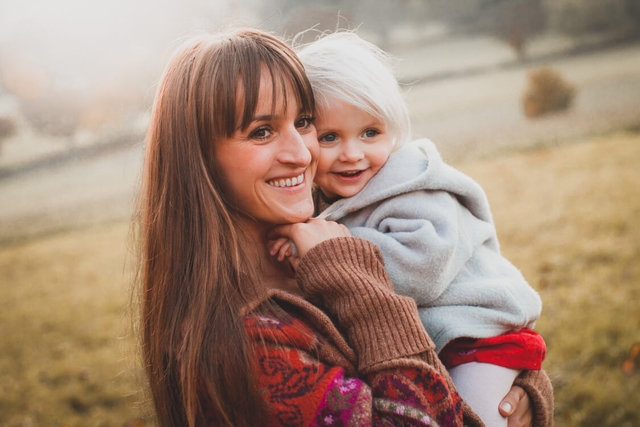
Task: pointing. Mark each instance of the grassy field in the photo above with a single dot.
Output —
(64, 353)
(567, 216)
(569, 219)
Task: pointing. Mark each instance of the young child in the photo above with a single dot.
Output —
(431, 222)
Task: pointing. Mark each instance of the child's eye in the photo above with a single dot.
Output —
(304, 122)
(370, 133)
(261, 133)
(328, 138)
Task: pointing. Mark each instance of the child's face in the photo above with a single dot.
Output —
(354, 145)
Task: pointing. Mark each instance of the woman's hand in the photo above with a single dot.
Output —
(516, 407)
(304, 236)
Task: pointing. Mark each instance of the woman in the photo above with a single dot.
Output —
(232, 337)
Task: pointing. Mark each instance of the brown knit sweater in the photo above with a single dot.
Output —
(368, 328)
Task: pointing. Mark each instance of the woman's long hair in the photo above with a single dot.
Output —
(195, 268)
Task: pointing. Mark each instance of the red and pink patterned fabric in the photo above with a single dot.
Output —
(302, 390)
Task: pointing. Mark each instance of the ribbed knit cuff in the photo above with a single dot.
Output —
(346, 275)
(538, 386)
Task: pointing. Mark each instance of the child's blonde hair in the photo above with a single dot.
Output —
(344, 66)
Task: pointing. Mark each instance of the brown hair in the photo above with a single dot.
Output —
(195, 268)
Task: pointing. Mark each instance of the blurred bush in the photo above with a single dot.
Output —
(547, 91)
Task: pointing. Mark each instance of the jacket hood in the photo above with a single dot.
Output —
(415, 166)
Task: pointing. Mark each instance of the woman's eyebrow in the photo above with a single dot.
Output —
(265, 117)
(262, 118)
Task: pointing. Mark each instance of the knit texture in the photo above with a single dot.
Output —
(302, 389)
(378, 323)
(538, 386)
(343, 363)
(434, 228)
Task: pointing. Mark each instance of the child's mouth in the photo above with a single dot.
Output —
(350, 174)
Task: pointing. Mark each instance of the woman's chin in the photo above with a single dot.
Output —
(300, 212)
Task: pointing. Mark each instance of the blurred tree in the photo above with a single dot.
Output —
(516, 22)
(57, 114)
(7, 128)
(319, 18)
(47, 112)
(513, 21)
(580, 17)
(377, 18)
(380, 17)
(456, 13)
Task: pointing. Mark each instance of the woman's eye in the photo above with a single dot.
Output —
(328, 138)
(370, 133)
(304, 122)
(261, 133)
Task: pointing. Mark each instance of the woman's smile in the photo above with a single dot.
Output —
(287, 182)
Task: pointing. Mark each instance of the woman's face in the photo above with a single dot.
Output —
(268, 168)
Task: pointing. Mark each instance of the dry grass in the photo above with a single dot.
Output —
(63, 358)
(568, 217)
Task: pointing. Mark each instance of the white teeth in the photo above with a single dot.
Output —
(289, 182)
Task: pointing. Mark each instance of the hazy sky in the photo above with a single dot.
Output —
(80, 41)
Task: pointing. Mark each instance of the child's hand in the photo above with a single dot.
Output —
(305, 236)
(281, 247)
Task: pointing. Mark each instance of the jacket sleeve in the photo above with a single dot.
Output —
(426, 237)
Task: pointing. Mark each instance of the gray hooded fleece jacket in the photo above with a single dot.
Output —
(435, 230)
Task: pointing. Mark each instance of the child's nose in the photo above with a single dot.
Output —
(352, 152)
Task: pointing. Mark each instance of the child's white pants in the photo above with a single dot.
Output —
(483, 386)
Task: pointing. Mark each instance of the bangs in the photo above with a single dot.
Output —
(286, 73)
(240, 61)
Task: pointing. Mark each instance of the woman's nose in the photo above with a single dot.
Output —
(293, 149)
(351, 152)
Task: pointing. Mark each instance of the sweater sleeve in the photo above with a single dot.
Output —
(538, 386)
(346, 278)
(301, 390)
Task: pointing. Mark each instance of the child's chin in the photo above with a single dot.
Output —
(349, 192)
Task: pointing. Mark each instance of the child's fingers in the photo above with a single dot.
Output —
(276, 244)
(285, 250)
(310, 233)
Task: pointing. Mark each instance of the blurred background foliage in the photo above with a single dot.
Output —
(538, 100)
(109, 88)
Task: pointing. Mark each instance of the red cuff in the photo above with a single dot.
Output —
(524, 349)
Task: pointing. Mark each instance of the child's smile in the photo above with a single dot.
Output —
(354, 145)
